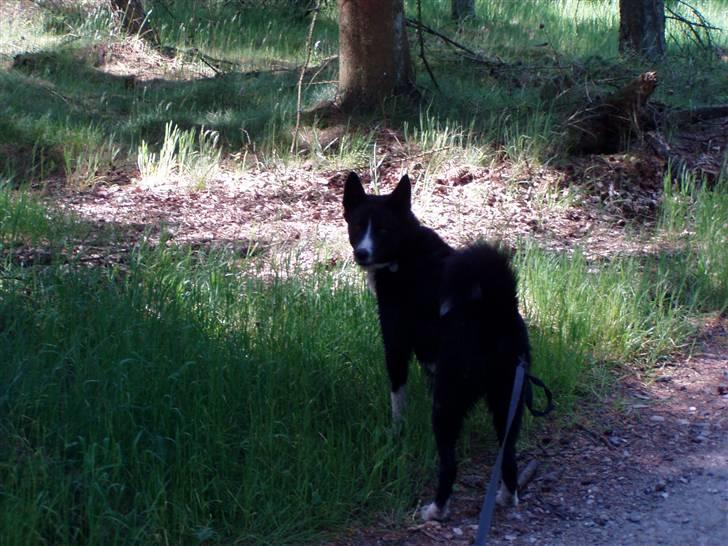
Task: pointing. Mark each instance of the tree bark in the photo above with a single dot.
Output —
(642, 27)
(374, 58)
(134, 19)
(462, 9)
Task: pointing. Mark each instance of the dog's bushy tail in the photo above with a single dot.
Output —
(480, 280)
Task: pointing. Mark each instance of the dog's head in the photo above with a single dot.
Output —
(378, 224)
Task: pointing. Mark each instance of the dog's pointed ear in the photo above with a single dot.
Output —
(354, 193)
(401, 197)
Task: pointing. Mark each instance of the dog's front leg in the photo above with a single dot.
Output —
(397, 367)
(397, 352)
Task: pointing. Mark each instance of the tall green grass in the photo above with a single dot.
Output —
(189, 396)
(587, 316)
(183, 399)
(190, 155)
(24, 220)
(694, 221)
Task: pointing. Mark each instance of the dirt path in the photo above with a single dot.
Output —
(648, 466)
(694, 509)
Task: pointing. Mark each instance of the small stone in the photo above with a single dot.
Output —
(661, 485)
(664, 379)
(510, 538)
(657, 418)
(634, 517)
(457, 531)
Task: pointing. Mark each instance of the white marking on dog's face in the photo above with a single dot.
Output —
(399, 403)
(431, 511)
(367, 243)
(505, 497)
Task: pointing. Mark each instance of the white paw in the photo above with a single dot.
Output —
(506, 498)
(431, 511)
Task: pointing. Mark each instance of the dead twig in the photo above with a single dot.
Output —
(422, 45)
(413, 23)
(309, 48)
(527, 474)
(692, 25)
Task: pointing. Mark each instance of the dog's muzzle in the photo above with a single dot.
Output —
(362, 257)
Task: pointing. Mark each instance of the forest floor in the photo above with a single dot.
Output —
(647, 465)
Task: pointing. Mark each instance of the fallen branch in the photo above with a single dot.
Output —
(527, 474)
(697, 115)
(413, 23)
(607, 126)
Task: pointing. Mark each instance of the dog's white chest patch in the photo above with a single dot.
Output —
(371, 282)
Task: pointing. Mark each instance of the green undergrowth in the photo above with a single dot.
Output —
(184, 396)
(181, 399)
(62, 112)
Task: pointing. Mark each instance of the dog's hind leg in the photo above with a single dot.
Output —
(447, 420)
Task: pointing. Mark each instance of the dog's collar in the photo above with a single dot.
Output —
(393, 267)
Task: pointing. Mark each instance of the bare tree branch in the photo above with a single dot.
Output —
(309, 48)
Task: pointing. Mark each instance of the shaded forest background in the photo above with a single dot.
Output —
(189, 355)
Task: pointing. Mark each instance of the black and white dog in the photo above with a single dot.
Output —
(456, 310)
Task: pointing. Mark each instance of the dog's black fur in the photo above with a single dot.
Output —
(457, 310)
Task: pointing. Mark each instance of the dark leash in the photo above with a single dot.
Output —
(532, 379)
(486, 512)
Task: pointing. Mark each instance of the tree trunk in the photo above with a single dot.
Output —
(642, 27)
(374, 59)
(462, 9)
(134, 19)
